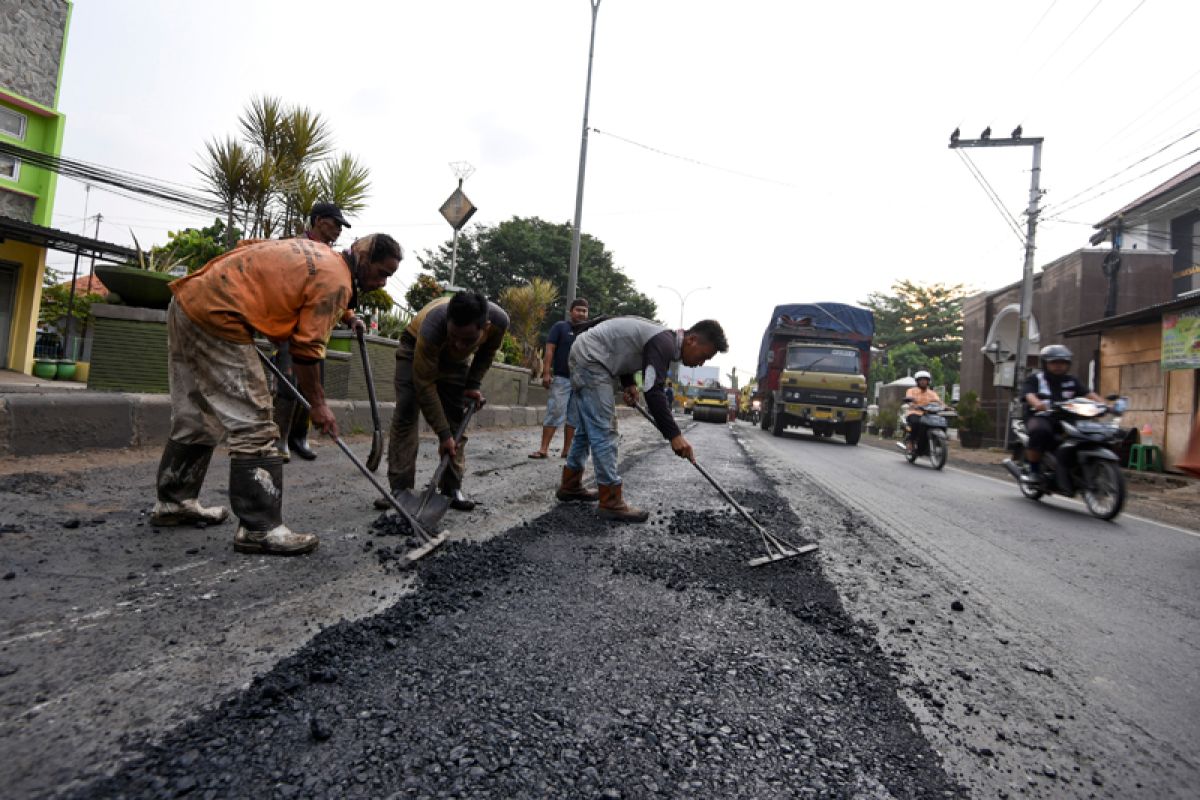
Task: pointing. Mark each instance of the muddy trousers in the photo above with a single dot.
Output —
(403, 438)
(218, 388)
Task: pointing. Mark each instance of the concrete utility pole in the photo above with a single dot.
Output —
(573, 275)
(1035, 194)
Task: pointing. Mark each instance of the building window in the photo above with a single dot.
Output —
(12, 123)
(10, 167)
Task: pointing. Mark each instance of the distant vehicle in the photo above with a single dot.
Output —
(712, 405)
(812, 369)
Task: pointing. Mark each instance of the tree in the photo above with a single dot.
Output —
(424, 290)
(928, 316)
(526, 306)
(195, 247)
(281, 167)
(492, 258)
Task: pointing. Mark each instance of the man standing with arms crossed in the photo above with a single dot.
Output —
(292, 290)
(556, 376)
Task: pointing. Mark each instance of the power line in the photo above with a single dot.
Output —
(1086, 17)
(983, 184)
(1131, 180)
(1037, 24)
(1121, 172)
(1105, 39)
(695, 161)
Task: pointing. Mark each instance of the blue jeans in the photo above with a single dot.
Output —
(593, 409)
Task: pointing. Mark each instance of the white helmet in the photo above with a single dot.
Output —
(922, 374)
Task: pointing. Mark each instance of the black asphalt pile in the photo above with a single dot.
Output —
(572, 658)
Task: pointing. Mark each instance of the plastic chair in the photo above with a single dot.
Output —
(1143, 457)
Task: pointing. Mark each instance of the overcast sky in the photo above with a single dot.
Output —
(821, 128)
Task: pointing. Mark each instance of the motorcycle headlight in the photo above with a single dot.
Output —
(1084, 408)
(756, 405)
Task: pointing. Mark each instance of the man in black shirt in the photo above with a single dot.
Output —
(1053, 379)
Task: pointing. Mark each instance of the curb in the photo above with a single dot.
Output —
(58, 422)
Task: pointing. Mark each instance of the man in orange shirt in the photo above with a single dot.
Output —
(293, 290)
(918, 395)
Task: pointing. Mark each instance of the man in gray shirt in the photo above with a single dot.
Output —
(618, 348)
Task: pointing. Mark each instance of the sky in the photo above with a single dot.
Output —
(744, 154)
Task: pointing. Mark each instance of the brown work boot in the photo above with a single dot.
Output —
(571, 489)
(614, 507)
(256, 494)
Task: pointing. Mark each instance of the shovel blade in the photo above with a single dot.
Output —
(429, 516)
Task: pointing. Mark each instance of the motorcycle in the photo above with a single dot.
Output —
(755, 411)
(934, 443)
(1082, 460)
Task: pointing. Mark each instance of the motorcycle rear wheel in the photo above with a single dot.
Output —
(937, 452)
(1104, 494)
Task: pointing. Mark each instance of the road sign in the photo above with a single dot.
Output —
(457, 209)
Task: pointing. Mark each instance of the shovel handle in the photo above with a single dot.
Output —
(458, 435)
(416, 526)
(362, 350)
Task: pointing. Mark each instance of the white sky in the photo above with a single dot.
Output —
(847, 107)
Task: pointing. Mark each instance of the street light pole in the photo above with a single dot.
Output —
(682, 301)
(573, 275)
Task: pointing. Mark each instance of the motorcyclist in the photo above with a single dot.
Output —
(1054, 379)
(915, 397)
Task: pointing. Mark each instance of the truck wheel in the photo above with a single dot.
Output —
(764, 417)
(853, 432)
(777, 425)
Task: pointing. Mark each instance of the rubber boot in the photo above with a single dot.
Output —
(298, 437)
(181, 473)
(571, 490)
(285, 408)
(256, 494)
(614, 507)
(458, 500)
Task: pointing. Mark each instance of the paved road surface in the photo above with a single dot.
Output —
(1093, 626)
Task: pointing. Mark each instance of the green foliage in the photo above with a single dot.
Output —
(377, 300)
(424, 290)
(526, 306)
(492, 258)
(928, 316)
(971, 415)
(888, 417)
(155, 259)
(57, 298)
(509, 352)
(283, 164)
(906, 359)
(195, 247)
(392, 324)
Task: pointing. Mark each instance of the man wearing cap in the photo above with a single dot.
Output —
(290, 291)
(325, 224)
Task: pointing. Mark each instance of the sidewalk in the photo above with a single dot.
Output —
(1170, 498)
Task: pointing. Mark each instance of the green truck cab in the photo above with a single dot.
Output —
(813, 369)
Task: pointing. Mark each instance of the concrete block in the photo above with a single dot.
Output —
(65, 423)
(501, 416)
(151, 418)
(485, 417)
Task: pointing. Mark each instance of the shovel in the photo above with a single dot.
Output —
(376, 453)
(776, 549)
(429, 541)
(430, 506)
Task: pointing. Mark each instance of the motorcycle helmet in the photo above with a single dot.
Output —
(1054, 352)
(921, 373)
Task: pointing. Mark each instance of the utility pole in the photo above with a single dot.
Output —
(1035, 194)
(1112, 268)
(573, 275)
(70, 351)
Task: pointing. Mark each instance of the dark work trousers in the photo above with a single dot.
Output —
(917, 430)
(403, 439)
(1041, 433)
(283, 360)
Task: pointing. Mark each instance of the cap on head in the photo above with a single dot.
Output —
(322, 210)
(1055, 352)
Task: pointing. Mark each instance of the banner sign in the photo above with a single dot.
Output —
(1181, 339)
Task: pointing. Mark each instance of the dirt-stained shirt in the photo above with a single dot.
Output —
(292, 290)
(429, 330)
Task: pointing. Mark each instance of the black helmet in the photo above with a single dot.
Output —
(1054, 352)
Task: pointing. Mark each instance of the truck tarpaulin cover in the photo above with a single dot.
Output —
(854, 322)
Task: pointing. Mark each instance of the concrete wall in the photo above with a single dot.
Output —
(17, 206)
(1067, 292)
(31, 263)
(31, 47)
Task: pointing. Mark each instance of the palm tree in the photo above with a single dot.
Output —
(526, 306)
(345, 183)
(229, 173)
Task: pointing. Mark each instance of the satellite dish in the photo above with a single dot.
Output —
(1005, 331)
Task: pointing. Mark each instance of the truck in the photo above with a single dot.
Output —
(813, 366)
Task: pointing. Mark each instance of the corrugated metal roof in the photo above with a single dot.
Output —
(1132, 317)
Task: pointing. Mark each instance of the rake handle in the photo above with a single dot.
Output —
(444, 464)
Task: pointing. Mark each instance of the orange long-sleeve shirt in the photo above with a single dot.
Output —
(291, 290)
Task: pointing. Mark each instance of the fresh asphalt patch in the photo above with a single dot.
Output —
(571, 657)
